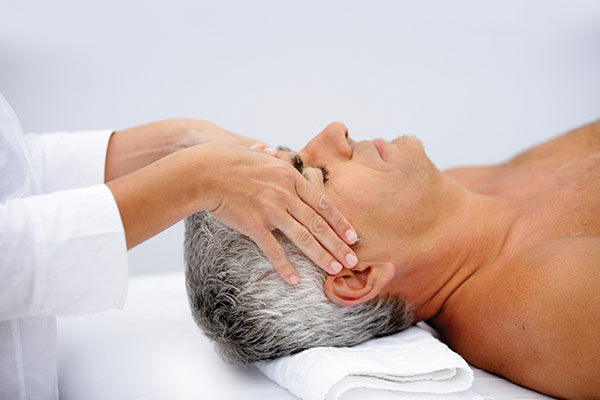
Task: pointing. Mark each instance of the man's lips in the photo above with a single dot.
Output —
(379, 146)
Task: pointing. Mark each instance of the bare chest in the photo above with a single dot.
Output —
(558, 223)
(532, 316)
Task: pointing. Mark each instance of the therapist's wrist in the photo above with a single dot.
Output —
(155, 197)
(204, 172)
(211, 165)
(192, 132)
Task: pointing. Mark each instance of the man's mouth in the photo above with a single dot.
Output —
(379, 143)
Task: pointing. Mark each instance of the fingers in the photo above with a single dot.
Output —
(260, 199)
(325, 208)
(276, 255)
(315, 238)
(321, 204)
(258, 146)
(308, 244)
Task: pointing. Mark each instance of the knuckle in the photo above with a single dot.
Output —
(272, 209)
(324, 259)
(339, 223)
(287, 172)
(260, 235)
(319, 225)
(304, 237)
(323, 202)
(279, 193)
(275, 254)
(287, 196)
(340, 247)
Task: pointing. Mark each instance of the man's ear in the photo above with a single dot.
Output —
(359, 284)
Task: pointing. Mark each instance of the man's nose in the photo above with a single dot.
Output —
(338, 128)
(331, 142)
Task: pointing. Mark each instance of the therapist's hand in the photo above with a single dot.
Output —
(134, 148)
(256, 193)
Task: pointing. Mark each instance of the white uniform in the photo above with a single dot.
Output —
(62, 247)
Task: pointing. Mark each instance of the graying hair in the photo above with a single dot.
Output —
(252, 314)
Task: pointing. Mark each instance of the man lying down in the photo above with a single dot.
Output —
(503, 260)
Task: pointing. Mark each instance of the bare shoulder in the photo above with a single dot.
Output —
(570, 146)
(545, 307)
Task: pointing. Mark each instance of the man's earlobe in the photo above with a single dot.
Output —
(359, 284)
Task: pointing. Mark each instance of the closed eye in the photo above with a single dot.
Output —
(325, 173)
(300, 167)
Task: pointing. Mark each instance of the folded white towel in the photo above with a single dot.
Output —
(411, 364)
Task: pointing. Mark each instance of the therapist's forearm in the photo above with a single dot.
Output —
(155, 197)
(134, 148)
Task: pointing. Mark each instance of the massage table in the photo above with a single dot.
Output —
(152, 349)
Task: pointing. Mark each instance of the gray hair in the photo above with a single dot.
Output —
(252, 314)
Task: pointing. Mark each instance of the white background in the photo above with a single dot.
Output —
(476, 81)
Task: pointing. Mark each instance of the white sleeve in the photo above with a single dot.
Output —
(63, 253)
(68, 160)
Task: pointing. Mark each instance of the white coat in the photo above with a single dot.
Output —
(62, 247)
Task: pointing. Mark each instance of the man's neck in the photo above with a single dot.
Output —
(469, 234)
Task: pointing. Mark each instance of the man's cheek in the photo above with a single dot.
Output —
(355, 187)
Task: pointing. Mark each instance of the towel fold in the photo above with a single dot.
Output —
(411, 364)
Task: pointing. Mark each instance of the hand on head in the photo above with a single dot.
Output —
(256, 193)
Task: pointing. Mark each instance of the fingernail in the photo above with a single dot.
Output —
(336, 267)
(259, 146)
(351, 259)
(270, 150)
(294, 279)
(351, 236)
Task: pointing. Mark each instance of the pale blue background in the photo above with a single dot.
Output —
(476, 81)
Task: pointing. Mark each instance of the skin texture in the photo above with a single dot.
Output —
(163, 172)
(503, 260)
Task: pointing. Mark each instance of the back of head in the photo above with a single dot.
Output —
(252, 314)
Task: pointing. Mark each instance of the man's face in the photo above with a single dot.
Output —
(383, 188)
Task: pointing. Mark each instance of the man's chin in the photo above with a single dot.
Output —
(407, 139)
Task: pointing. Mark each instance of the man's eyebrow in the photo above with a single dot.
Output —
(298, 163)
(296, 160)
